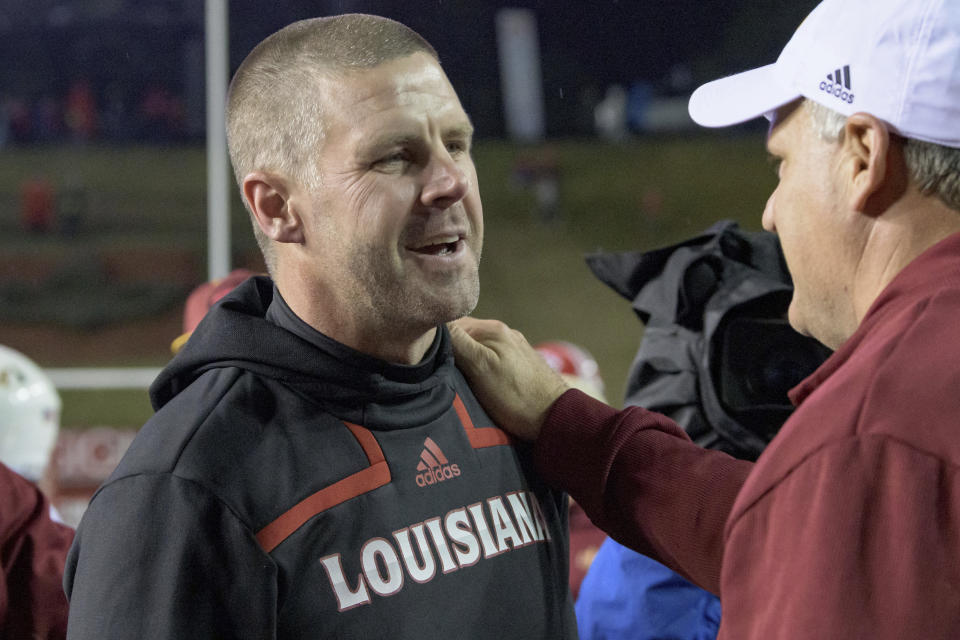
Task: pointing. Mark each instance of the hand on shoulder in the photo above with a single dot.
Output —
(510, 378)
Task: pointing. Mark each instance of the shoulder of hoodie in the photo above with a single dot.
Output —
(230, 429)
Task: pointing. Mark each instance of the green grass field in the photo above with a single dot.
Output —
(634, 196)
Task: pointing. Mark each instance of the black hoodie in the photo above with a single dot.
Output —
(291, 487)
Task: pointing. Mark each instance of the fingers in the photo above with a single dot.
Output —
(482, 330)
(510, 378)
(493, 334)
(469, 354)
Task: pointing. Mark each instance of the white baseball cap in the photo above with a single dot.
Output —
(898, 60)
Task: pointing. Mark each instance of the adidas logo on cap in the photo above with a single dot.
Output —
(434, 466)
(839, 84)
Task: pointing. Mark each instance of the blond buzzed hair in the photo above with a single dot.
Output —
(275, 106)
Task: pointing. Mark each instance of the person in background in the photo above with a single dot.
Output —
(576, 366)
(847, 525)
(317, 466)
(202, 298)
(33, 543)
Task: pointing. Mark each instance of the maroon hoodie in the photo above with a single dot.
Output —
(33, 549)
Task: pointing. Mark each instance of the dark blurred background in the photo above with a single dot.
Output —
(122, 70)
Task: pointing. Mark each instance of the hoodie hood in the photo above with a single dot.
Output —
(253, 329)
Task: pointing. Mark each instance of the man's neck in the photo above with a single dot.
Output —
(396, 344)
(896, 239)
(398, 352)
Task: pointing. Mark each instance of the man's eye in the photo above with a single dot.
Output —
(456, 147)
(398, 157)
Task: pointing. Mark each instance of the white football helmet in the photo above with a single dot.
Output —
(29, 415)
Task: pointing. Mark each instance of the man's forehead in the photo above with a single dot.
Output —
(395, 82)
(398, 96)
(407, 78)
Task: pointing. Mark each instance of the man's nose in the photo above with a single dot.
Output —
(767, 219)
(446, 182)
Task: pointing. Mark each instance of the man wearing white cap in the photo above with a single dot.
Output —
(848, 526)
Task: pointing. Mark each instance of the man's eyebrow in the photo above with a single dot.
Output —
(459, 131)
(390, 140)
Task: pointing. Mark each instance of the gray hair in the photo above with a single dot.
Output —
(934, 168)
(275, 106)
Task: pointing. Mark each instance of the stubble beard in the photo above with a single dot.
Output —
(404, 304)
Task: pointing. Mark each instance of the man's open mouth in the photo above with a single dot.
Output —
(438, 247)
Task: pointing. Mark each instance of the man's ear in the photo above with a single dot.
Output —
(870, 164)
(268, 196)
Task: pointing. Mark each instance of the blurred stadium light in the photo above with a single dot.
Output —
(520, 78)
(218, 184)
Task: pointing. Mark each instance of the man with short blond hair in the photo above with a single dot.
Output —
(317, 466)
(275, 106)
(848, 525)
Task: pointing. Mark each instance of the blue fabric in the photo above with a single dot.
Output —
(628, 595)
